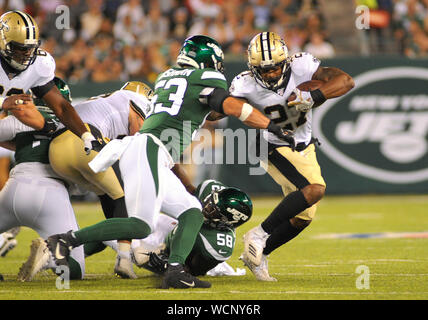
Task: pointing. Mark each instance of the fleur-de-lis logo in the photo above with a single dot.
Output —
(4, 25)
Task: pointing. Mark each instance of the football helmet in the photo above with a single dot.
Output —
(229, 207)
(267, 51)
(19, 39)
(201, 52)
(138, 87)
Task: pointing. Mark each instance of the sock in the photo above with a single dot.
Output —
(107, 204)
(289, 207)
(75, 270)
(91, 248)
(281, 235)
(124, 250)
(189, 224)
(112, 229)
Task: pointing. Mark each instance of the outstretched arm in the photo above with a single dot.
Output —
(336, 81)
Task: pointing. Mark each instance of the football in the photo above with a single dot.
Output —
(307, 86)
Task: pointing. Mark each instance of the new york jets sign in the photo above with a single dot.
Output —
(379, 130)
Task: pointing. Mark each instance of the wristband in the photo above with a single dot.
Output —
(87, 136)
(247, 109)
(317, 96)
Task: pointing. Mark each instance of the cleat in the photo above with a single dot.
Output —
(123, 268)
(261, 272)
(60, 247)
(9, 241)
(37, 261)
(254, 243)
(176, 277)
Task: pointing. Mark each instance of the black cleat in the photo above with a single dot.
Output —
(60, 246)
(176, 277)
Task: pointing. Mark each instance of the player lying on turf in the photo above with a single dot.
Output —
(34, 192)
(224, 209)
(184, 95)
(25, 66)
(271, 85)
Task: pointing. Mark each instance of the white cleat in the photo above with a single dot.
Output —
(9, 241)
(254, 243)
(261, 272)
(37, 261)
(123, 268)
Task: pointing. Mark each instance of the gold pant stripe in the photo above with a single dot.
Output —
(299, 168)
(69, 160)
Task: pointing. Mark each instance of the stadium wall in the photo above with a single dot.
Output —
(373, 140)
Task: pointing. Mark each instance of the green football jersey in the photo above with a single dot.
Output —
(33, 146)
(212, 246)
(177, 110)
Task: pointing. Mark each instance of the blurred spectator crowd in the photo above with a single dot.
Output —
(108, 40)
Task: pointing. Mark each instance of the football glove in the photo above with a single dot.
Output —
(303, 101)
(283, 134)
(157, 263)
(90, 143)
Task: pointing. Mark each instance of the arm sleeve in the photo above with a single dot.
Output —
(40, 91)
(10, 127)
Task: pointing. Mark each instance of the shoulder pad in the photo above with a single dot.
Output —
(242, 84)
(211, 74)
(44, 65)
(303, 63)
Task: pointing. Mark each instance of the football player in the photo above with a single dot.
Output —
(107, 116)
(184, 97)
(33, 193)
(25, 66)
(224, 209)
(273, 77)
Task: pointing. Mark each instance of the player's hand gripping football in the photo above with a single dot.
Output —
(303, 101)
(283, 134)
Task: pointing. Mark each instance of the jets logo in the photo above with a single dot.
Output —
(379, 130)
(237, 215)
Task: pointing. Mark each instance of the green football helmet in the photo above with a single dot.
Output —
(63, 89)
(229, 207)
(201, 52)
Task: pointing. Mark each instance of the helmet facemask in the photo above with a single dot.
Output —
(19, 56)
(212, 213)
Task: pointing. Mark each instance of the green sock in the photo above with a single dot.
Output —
(113, 229)
(91, 248)
(189, 224)
(75, 271)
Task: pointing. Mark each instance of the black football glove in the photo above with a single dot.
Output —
(157, 262)
(283, 134)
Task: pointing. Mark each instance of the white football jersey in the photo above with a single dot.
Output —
(274, 104)
(37, 74)
(109, 112)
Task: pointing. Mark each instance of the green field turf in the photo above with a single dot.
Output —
(306, 268)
